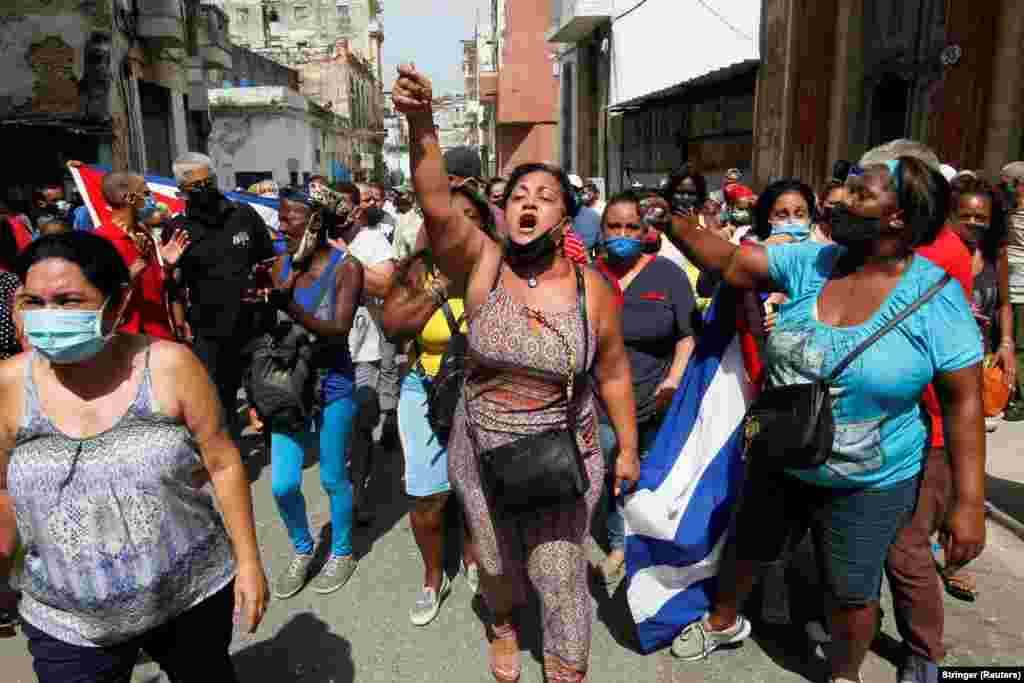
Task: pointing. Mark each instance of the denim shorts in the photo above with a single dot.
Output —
(426, 457)
(852, 529)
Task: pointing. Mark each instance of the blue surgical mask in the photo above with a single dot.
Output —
(66, 336)
(623, 249)
(798, 231)
(148, 209)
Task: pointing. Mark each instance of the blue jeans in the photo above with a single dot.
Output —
(426, 457)
(852, 529)
(646, 435)
(288, 452)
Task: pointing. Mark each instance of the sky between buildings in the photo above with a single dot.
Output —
(428, 32)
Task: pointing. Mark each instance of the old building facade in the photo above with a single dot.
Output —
(840, 76)
(117, 82)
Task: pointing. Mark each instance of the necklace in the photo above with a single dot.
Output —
(532, 282)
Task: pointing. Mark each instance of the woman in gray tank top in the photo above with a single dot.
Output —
(107, 441)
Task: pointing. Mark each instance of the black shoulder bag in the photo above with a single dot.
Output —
(792, 427)
(444, 389)
(542, 470)
(281, 379)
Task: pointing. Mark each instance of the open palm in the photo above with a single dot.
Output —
(175, 247)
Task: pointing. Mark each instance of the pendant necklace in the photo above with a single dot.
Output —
(531, 282)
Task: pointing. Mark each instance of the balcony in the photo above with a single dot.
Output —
(574, 20)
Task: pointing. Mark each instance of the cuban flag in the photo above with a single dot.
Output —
(88, 179)
(678, 520)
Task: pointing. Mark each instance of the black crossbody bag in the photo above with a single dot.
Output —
(792, 427)
(542, 470)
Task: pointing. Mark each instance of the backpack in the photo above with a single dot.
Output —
(444, 391)
(282, 375)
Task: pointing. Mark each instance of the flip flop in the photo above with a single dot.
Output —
(956, 587)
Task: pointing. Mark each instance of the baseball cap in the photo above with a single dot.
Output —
(463, 162)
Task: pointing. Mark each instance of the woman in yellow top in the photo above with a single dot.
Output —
(418, 309)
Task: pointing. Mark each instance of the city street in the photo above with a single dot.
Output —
(362, 633)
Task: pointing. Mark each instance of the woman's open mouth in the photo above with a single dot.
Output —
(527, 223)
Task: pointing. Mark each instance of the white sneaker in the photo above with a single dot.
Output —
(698, 640)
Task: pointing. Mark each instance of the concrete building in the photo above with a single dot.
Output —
(396, 144)
(114, 82)
(335, 45)
(522, 91)
(867, 71)
(271, 133)
(250, 68)
(645, 87)
(345, 83)
(289, 32)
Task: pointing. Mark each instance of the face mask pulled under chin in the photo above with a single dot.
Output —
(533, 251)
(852, 231)
(65, 337)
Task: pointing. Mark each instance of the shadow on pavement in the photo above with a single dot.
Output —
(613, 611)
(304, 649)
(385, 494)
(1006, 495)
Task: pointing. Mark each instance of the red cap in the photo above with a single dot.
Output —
(737, 191)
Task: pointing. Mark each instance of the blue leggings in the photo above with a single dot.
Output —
(288, 452)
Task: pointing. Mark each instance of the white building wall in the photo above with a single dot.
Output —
(251, 137)
(665, 42)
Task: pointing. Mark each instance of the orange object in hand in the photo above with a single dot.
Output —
(995, 392)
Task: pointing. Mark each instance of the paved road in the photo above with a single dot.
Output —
(363, 634)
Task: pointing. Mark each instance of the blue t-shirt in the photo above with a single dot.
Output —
(880, 438)
(587, 225)
(82, 219)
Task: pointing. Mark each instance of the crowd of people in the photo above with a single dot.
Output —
(523, 340)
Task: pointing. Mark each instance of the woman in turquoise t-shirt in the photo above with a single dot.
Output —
(856, 502)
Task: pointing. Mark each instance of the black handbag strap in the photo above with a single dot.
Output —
(571, 402)
(453, 323)
(889, 327)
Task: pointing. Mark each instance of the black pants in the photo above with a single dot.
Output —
(191, 648)
(223, 359)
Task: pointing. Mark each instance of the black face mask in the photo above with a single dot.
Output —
(537, 250)
(852, 231)
(685, 201)
(203, 201)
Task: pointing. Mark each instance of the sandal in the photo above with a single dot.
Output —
(557, 672)
(505, 653)
(959, 586)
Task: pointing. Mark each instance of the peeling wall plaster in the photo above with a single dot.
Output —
(19, 77)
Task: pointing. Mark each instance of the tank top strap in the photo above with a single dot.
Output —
(33, 409)
(146, 403)
(286, 267)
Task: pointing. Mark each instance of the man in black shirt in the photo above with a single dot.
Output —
(225, 241)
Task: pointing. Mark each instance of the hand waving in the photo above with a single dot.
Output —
(175, 247)
(413, 92)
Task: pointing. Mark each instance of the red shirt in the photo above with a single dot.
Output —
(574, 248)
(950, 253)
(22, 235)
(147, 310)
